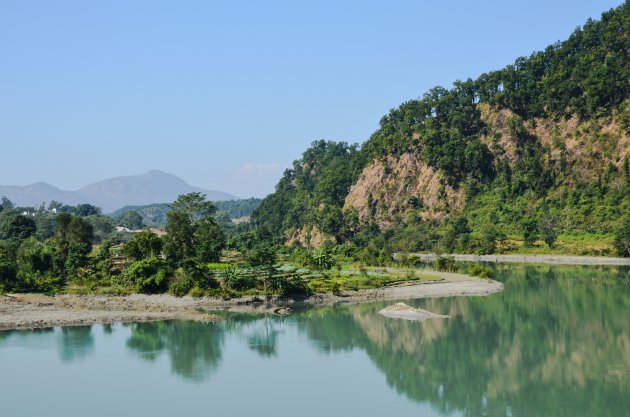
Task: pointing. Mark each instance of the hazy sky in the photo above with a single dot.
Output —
(226, 94)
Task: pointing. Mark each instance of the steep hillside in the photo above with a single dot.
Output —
(538, 148)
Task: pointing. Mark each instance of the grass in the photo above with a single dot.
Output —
(98, 290)
(367, 278)
(572, 243)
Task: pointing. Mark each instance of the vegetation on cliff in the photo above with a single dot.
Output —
(532, 156)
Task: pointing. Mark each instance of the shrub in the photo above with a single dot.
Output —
(322, 260)
(301, 257)
(445, 264)
(237, 279)
(181, 284)
(150, 276)
(412, 260)
(481, 271)
(294, 285)
(197, 292)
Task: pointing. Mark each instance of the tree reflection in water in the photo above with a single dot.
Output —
(194, 348)
(76, 343)
(555, 342)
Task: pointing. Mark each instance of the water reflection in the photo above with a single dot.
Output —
(194, 349)
(263, 337)
(76, 343)
(555, 342)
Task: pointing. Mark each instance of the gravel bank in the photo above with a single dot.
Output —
(28, 311)
(532, 259)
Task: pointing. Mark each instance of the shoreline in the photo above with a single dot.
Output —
(32, 311)
(529, 259)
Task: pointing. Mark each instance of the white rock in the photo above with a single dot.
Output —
(405, 312)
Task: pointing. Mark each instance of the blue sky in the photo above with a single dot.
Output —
(225, 94)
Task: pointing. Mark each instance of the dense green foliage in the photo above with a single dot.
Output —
(522, 194)
(52, 251)
(192, 232)
(42, 250)
(312, 191)
(238, 208)
(155, 214)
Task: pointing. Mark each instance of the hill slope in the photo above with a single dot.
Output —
(544, 140)
(111, 194)
(151, 187)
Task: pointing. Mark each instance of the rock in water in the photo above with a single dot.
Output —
(403, 311)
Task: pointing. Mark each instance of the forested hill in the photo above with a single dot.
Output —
(155, 214)
(532, 151)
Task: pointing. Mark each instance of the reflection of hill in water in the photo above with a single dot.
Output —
(551, 344)
(556, 342)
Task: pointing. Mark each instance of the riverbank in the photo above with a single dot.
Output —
(530, 259)
(29, 311)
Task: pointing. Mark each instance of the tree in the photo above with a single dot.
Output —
(5, 203)
(71, 230)
(77, 256)
(102, 226)
(262, 255)
(622, 239)
(18, 227)
(145, 244)
(8, 271)
(35, 266)
(488, 241)
(191, 230)
(530, 230)
(55, 205)
(131, 220)
(548, 226)
(85, 210)
(149, 275)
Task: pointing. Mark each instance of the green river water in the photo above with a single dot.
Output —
(555, 342)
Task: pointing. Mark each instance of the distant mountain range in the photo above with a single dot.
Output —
(111, 194)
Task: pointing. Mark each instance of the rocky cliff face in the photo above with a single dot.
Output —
(545, 137)
(387, 188)
(574, 150)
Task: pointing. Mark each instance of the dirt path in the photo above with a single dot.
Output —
(28, 311)
(532, 259)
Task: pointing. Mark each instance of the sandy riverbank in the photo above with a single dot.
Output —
(27, 311)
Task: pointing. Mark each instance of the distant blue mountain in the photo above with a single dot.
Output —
(112, 194)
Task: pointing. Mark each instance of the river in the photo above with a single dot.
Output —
(555, 342)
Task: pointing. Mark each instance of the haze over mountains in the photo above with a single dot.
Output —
(113, 193)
